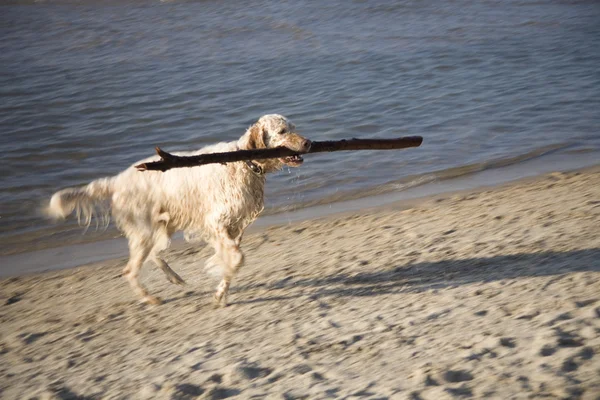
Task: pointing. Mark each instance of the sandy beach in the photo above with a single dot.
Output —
(493, 294)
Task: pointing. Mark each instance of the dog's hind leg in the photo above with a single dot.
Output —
(138, 252)
(162, 240)
(171, 275)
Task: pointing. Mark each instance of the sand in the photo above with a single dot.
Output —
(485, 294)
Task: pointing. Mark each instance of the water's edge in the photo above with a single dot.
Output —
(70, 256)
(46, 234)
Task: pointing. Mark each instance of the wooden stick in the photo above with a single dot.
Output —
(169, 161)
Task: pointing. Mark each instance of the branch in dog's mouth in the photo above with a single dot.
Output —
(169, 160)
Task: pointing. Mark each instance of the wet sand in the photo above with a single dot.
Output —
(484, 294)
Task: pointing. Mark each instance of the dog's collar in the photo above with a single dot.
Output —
(254, 167)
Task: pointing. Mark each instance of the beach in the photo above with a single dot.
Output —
(465, 268)
(488, 293)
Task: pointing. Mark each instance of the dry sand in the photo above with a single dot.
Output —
(489, 294)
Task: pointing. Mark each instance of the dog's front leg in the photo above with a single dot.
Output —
(228, 251)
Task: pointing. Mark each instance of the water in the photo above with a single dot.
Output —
(87, 88)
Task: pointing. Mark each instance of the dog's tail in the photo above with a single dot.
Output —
(86, 201)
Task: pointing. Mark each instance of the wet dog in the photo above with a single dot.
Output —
(215, 201)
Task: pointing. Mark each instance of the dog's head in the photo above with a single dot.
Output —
(272, 131)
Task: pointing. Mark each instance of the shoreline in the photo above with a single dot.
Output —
(93, 250)
(484, 294)
(46, 235)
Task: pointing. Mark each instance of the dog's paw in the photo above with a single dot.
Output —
(155, 301)
(219, 300)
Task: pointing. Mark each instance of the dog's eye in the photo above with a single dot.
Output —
(282, 131)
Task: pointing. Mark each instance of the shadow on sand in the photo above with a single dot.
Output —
(418, 277)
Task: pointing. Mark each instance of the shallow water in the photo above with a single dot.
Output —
(87, 88)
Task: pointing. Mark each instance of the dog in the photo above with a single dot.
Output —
(216, 202)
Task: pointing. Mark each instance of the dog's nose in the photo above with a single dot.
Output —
(306, 145)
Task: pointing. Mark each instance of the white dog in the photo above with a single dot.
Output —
(215, 201)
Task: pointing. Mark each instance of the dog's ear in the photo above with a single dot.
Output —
(256, 137)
